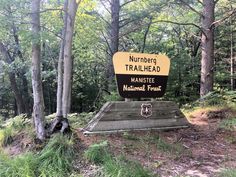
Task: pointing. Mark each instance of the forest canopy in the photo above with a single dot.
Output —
(198, 37)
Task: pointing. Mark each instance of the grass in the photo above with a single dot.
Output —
(218, 97)
(18, 122)
(1, 121)
(57, 156)
(129, 136)
(80, 120)
(216, 100)
(76, 120)
(119, 166)
(6, 136)
(114, 166)
(24, 165)
(11, 127)
(54, 160)
(96, 153)
(195, 110)
(228, 173)
(228, 124)
(231, 139)
(174, 149)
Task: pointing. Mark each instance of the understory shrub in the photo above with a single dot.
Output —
(228, 173)
(57, 156)
(10, 128)
(24, 165)
(218, 97)
(114, 166)
(6, 136)
(54, 160)
(81, 119)
(97, 153)
(119, 166)
(228, 124)
(174, 149)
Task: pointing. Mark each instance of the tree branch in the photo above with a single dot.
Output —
(132, 30)
(46, 10)
(123, 20)
(145, 35)
(190, 7)
(200, 2)
(177, 23)
(130, 21)
(216, 1)
(5, 53)
(108, 45)
(133, 20)
(44, 27)
(124, 4)
(105, 7)
(109, 1)
(218, 22)
(103, 18)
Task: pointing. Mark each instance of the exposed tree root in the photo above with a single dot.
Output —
(59, 124)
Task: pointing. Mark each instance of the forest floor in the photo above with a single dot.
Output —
(202, 150)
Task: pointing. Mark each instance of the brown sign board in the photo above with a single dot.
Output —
(141, 75)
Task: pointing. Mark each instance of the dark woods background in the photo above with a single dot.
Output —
(171, 27)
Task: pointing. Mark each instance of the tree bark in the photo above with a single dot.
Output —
(38, 110)
(232, 80)
(17, 51)
(60, 63)
(145, 35)
(12, 78)
(113, 37)
(72, 9)
(114, 33)
(18, 96)
(207, 41)
(26, 99)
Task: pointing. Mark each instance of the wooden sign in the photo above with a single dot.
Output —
(137, 115)
(138, 75)
(141, 75)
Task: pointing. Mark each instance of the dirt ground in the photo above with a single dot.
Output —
(202, 150)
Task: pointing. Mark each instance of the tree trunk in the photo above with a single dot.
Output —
(38, 110)
(25, 93)
(145, 35)
(12, 78)
(207, 41)
(60, 63)
(70, 91)
(232, 80)
(18, 96)
(26, 99)
(113, 37)
(72, 9)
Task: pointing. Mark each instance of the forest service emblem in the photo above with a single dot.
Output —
(146, 110)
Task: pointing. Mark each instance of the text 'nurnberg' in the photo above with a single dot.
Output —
(143, 60)
(142, 68)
